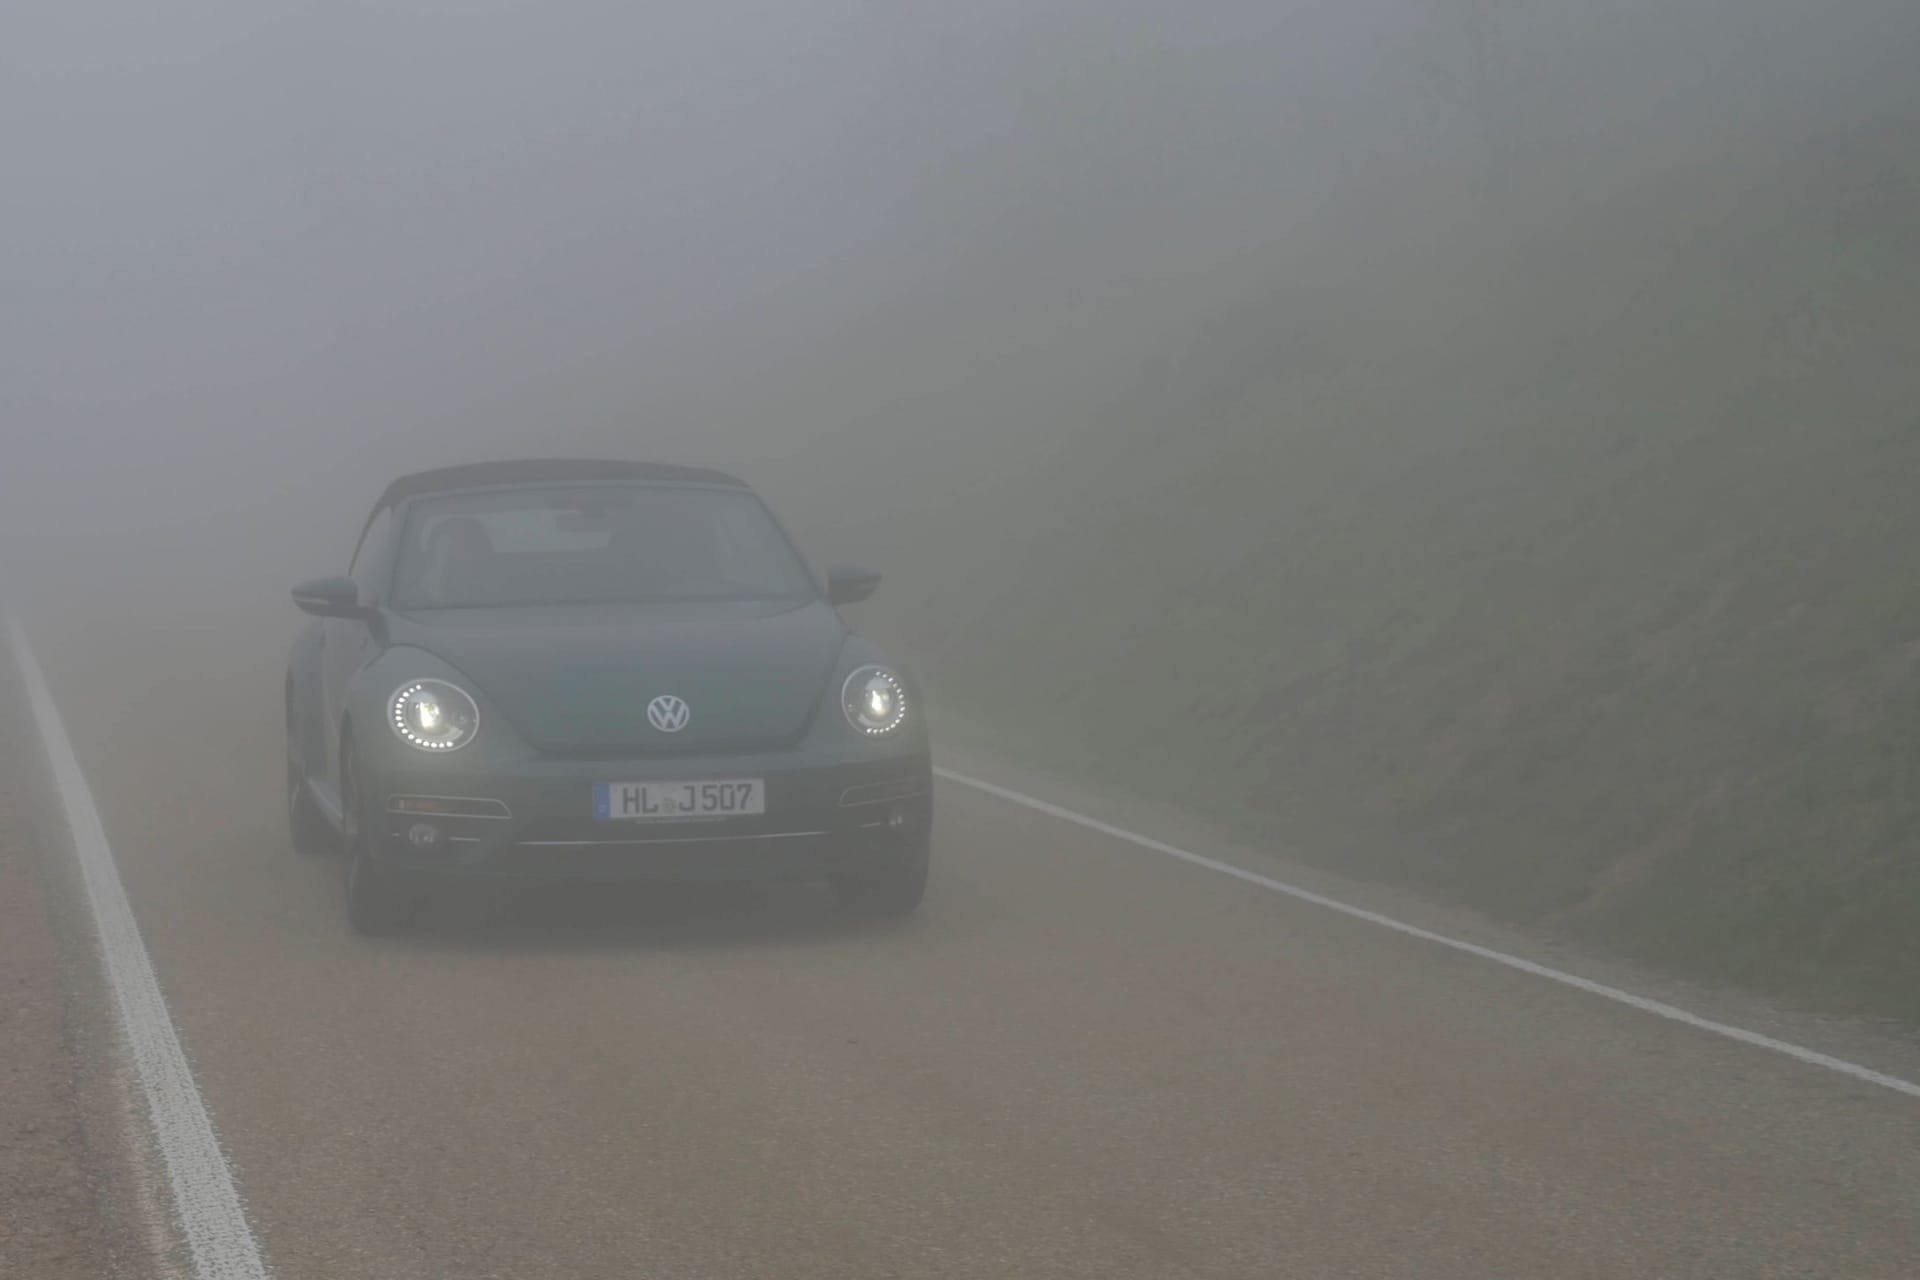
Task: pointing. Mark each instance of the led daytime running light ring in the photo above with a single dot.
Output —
(397, 721)
(852, 701)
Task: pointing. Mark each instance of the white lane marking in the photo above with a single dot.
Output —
(205, 1201)
(1657, 1008)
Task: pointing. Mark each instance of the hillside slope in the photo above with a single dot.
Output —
(1567, 573)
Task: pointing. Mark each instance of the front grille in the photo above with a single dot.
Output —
(881, 792)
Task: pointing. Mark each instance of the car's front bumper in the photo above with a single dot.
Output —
(825, 817)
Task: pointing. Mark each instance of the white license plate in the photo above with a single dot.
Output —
(657, 801)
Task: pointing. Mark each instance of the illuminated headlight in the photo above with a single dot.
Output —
(433, 716)
(875, 701)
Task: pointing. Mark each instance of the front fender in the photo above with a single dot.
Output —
(306, 722)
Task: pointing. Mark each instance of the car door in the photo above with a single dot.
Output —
(347, 644)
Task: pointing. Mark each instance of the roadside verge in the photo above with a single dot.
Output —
(50, 1204)
(151, 1111)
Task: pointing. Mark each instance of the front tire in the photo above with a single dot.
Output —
(377, 904)
(892, 890)
(310, 833)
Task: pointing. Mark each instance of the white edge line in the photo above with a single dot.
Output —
(1658, 1009)
(205, 1201)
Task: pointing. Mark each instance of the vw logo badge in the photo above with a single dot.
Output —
(668, 714)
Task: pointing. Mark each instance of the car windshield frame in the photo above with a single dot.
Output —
(803, 584)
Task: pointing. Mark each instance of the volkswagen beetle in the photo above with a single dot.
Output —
(580, 670)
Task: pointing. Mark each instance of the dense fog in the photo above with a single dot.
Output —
(258, 257)
(1002, 298)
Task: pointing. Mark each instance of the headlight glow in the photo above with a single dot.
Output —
(433, 715)
(875, 701)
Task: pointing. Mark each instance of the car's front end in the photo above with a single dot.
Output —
(828, 813)
(613, 781)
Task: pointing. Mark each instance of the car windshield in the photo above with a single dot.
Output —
(599, 544)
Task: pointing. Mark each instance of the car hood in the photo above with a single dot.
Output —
(578, 680)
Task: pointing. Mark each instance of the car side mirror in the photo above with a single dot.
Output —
(330, 598)
(851, 586)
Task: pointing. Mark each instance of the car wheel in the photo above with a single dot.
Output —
(308, 830)
(894, 890)
(376, 903)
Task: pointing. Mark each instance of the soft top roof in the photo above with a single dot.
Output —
(475, 475)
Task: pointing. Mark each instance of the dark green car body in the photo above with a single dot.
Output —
(565, 694)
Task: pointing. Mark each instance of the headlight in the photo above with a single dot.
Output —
(433, 715)
(875, 701)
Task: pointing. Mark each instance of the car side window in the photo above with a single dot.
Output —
(373, 555)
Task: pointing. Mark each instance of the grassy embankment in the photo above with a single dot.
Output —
(1570, 574)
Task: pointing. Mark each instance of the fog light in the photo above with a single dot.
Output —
(423, 835)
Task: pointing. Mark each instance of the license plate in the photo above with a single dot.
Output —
(657, 801)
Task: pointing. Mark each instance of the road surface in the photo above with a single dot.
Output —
(1080, 1060)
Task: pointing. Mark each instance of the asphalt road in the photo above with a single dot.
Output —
(1080, 1060)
